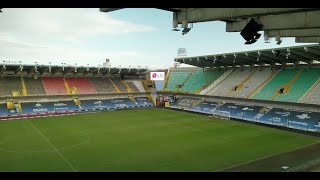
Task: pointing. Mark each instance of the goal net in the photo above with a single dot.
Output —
(220, 114)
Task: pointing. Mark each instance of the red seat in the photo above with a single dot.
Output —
(82, 84)
(54, 85)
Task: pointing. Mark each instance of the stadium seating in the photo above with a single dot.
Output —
(200, 79)
(309, 121)
(44, 107)
(314, 96)
(143, 101)
(234, 79)
(82, 84)
(176, 78)
(243, 112)
(102, 85)
(34, 86)
(301, 85)
(185, 103)
(132, 86)
(108, 104)
(268, 91)
(252, 83)
(54, 85)
(96, 104)
(138, 84)
(205, 107)
(305, 78)
(122, 87)
(10, 84)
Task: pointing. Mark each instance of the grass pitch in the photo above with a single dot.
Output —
(138, 140)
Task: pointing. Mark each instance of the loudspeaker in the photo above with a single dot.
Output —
(251, 30)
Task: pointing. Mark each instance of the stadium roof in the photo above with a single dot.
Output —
(17, 69)
(296, 54)
(301, 23)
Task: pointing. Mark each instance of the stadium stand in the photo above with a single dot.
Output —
(252, 83)
(308, 121)
(205, 107)
(102, 85)
(268, 91)
(63, 106)
(31, 108)
(132, 86)
(184, 103)
(34, 86)
(301, 85)
(313, 97)
(176, 80)
(295, 84)
(117, 81)
(143, 101)
(8, 85)
(217, 81)
(199, 80)
(296, 119)
(243, 112)
(81, 84)
(230, 82)
(138, 84)
(54, 85)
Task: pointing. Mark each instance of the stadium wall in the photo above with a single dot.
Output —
(253, 102)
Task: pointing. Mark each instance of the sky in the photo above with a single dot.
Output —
(128, 37)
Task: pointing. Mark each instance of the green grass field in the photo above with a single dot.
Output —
(138, 140)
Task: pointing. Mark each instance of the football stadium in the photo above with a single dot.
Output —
(244, 111)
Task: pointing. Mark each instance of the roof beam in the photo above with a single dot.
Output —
(314, 32)
(306, 55)
(253, 59)
(224, 63)
(313, 51)
(278, 59)
(301, 20)
(299, 56)
(228, 59)
(213, 14)
(308, 39)
(268, 58)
